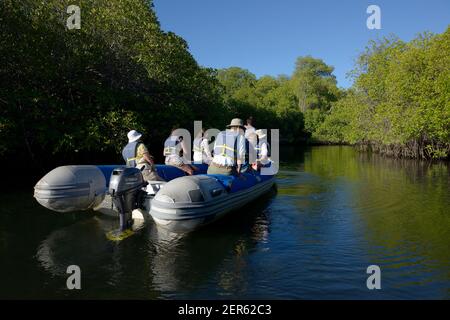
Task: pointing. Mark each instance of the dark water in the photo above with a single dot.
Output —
(334, 213)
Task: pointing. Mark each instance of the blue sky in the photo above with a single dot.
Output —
(266, 36)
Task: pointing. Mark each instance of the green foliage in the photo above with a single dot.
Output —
(72, 92)
(67, 91)
(315, 84)
(315, 87)
(400, 103)
(271, 101)
(345, 122)
(313, 119)
(234, 79)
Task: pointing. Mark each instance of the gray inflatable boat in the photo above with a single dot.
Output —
(190, 202)
(182, 204)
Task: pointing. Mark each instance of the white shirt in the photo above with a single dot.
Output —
(264, 152)
(225, 161)
(249, 129)
(203, 156)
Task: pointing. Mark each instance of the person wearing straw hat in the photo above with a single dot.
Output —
(262, 151)
(136, 155)
(229, 150)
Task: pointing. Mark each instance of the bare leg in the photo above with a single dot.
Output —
(186, 168)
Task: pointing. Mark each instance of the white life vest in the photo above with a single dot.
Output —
(226, 145)
(171, 146)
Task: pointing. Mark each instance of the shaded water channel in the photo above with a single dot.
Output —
(333, 213)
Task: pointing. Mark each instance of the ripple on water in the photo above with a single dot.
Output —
(334, 213)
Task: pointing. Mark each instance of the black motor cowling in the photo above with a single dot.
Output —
(125, 188)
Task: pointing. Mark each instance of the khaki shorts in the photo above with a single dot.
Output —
(214, 169)
(174, 161)
(149, 172)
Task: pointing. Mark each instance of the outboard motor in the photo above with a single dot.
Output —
(125, 188)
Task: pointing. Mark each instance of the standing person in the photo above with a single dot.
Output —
(252, 146)
(249, 128)
(202, 154)
(229, 150)
(173, 147)
(136, 155)
(250, 134)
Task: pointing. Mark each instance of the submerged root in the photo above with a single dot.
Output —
(414, 149)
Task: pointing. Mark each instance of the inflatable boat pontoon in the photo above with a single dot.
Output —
(183, 203)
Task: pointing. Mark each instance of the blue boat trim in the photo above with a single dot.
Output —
(164, 171)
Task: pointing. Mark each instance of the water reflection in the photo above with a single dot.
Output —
(401, 207)
(154, 263)
(335, 211)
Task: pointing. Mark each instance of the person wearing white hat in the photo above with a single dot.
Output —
(202, 154)
(262, 150)
(229, 150)
(136, 155)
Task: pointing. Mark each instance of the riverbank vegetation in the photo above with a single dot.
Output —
(399, 104)
(74, 94)
(70, 96)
